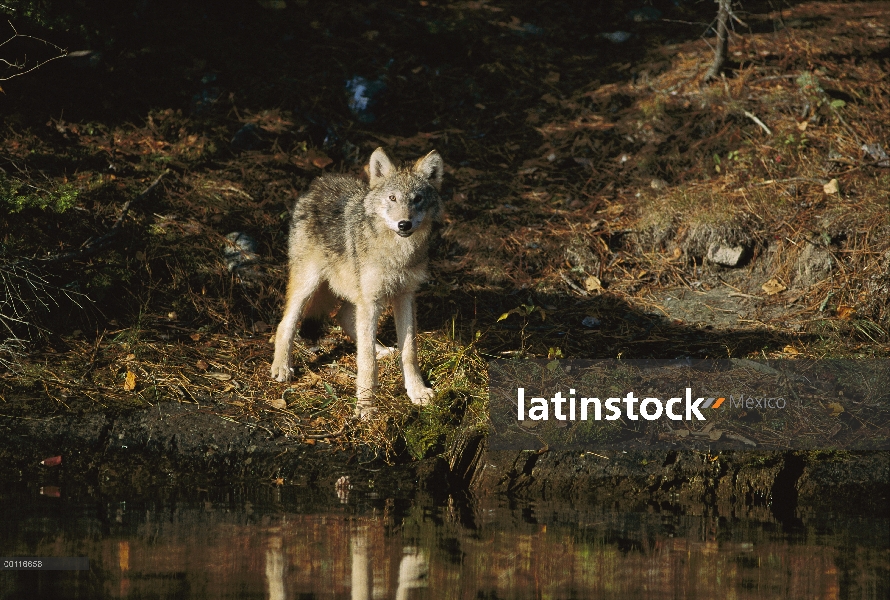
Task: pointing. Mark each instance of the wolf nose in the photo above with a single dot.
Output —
(404, 225)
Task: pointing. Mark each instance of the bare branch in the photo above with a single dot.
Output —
(22, 67)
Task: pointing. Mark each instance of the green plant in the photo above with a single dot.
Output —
(17, 195)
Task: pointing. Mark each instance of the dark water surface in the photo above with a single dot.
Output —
(276, 543)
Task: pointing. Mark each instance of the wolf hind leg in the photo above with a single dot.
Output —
(319, 306)
(346, 319)
(300, 287)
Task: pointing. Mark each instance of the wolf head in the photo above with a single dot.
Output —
(405, 198)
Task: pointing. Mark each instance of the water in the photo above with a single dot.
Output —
(277, 543)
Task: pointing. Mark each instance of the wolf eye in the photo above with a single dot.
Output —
(417, 199)
(392, 197)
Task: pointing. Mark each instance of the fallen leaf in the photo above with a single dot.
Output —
(130, 381)
(845, 313)
(195, 336)
(218, 376)
(319, 158)
(311, 378)
(310, 441)
(773, 287)
(677, 253)
(130, 357)
(802, 126)
(593, 284)
(202, 365)
(278, 403)
(835, 408)
(790, 350)
(831, 187)
(53, 461)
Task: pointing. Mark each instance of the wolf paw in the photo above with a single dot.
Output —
(364, 410)
(282, 373)
(384, 351)
(422, 395)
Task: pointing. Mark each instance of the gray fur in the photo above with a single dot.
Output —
(350, 241)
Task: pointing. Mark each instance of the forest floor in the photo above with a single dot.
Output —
(603, 200)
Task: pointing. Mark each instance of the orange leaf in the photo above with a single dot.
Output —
(845, 313)
(53, 461)
(130, 381)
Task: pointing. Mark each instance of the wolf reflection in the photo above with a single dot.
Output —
(413, 569)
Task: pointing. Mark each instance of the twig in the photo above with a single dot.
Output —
(11, 65)
(572, 284)
(789, 179)
(882, 162)
(324, 436)
(754, 118)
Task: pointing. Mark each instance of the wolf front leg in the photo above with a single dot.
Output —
(406, 330)
(366, 316)
(300, 287)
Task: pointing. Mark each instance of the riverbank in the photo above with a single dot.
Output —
(186, 444)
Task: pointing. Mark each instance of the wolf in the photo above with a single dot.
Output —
(367, 245)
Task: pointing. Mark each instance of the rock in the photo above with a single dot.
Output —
(363, 95)
(591, 322)
(813, 265)
(580, 256)
(617, 37)
(876, 153)
(241, 257)
(246, 138)
(726, 255)
(647, 13)
(84, 59)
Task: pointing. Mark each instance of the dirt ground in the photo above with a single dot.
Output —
(603, 199)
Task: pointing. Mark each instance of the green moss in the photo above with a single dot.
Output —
(17, 195)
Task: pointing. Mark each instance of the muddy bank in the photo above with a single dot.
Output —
(729, 483)
(175, 444)
(182, 444)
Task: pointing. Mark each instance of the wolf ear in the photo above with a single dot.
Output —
(379, 167)
(431, 167)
